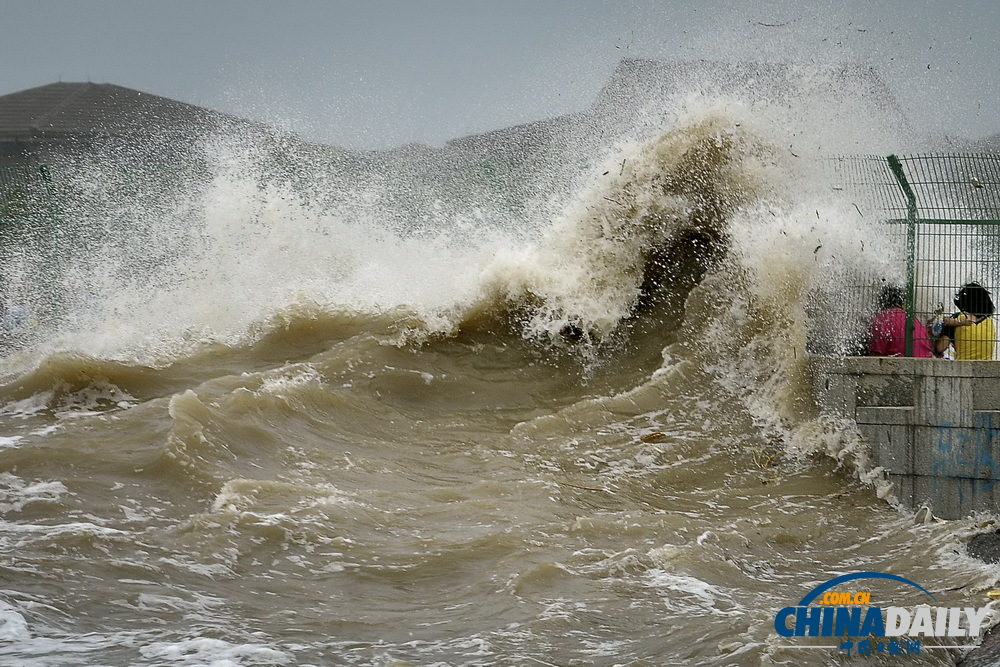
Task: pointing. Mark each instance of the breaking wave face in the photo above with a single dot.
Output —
(580, 232)
(533, 396)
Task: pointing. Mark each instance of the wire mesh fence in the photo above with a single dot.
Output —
(940, 216)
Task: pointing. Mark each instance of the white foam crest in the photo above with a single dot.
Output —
(215, 653)
(784, 256)
(589, 268)
(247, 247)
(93, 400)
(276, 500)
(30, 406)
(16, 493)
(54, 648)
(687, 594)
(195, 603)
(207, 570)
(58, 531)
(801, 244)
(285, 382)
(10, 442)
(13, 625)
(244, 243)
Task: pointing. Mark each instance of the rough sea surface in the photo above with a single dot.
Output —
(380, 421)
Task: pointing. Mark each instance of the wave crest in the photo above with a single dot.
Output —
(662, 216)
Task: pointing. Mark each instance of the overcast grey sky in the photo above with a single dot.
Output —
(376, 73)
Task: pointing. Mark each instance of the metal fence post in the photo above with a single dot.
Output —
(911, 249)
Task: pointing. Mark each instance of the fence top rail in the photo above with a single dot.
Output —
(951, 186)
(945, 221)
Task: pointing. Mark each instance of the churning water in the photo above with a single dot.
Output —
(424, 408)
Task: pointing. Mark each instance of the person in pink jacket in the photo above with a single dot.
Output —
(887, 335)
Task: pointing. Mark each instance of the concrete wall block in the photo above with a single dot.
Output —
(891, 446)
(986, 393)
(836, 394)
(943, 400)
(903, 488)
(953, 498)
(894, 366)
(933, 425)
(966, 453)
(882, 415)
(942, 368)
(986, 446)
(947, 451)
(885, 390)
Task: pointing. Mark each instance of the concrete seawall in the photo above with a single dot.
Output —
(934, 425)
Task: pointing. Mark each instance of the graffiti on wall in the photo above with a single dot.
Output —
(968, 453)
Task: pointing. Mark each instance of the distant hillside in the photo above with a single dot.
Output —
(639, 89)
(504, 169)
(64, 116)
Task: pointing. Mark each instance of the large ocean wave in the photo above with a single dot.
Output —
(489, 403)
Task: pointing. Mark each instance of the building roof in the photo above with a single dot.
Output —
(81, 109)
